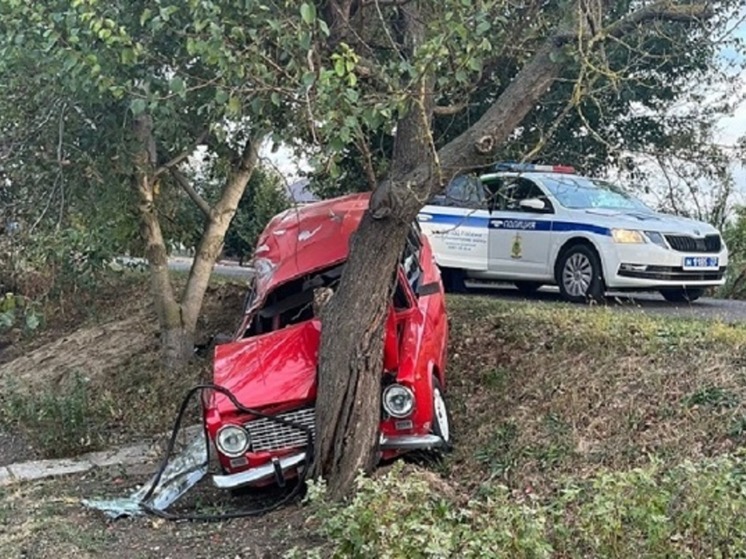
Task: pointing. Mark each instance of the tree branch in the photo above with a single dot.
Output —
(184, 183)
(182, 156)
(449, 110)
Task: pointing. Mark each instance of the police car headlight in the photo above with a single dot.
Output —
(656, 238)
(398, 400)
(627, 236)
(233, 441)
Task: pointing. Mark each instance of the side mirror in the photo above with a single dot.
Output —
(533, 204)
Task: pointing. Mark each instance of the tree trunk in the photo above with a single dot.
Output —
(177, 343)
(211, 243)
(178, 321)
(351, 353)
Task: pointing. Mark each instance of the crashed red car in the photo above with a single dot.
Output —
(271, 363)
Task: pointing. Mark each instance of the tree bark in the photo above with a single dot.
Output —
(211, 242)
(177, 344)
(351, 352)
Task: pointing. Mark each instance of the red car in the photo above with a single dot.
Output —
(271, 364)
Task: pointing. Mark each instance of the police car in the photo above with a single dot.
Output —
(536, 225)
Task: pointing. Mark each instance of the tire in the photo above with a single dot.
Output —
(579, 274)
(527, 287)
(682, 294)
(453, 280)
(441, 415)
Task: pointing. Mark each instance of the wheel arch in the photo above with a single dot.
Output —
(571, 243)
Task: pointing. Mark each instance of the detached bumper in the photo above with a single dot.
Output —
(259, 474)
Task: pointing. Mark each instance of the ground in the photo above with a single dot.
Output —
(540, 394)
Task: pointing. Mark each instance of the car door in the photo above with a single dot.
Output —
(520, 236)
(457, 225)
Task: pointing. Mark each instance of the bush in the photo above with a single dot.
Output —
(697, 509)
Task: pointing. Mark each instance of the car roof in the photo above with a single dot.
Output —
(306, 239)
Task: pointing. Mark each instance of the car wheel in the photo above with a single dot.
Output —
(441, 414)
(528, 287)
(579, 275)
(453, 280)
(683, 294)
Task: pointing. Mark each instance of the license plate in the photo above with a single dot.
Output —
(700, 262)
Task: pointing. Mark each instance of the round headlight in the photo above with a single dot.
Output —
(398, 400)
(233, 441)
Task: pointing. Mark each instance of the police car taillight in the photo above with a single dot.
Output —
(530, 167)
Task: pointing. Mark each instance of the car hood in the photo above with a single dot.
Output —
(651, 221)
(274, 370)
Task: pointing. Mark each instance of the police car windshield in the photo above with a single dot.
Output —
(581, 193)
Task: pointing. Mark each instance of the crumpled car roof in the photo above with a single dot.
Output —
(303, 240)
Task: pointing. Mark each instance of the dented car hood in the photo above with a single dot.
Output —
(258, 369)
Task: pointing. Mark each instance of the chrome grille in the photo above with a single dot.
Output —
(685, 243)
(269, 435)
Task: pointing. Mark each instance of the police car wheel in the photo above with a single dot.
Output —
(683, 294)
(527, 287)
(579, 275)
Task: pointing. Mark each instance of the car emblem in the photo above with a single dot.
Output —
(696, 232)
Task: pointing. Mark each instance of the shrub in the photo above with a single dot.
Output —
(697, 509)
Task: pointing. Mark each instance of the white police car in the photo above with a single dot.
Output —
(535, 225)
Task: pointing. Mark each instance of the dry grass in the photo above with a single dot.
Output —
(93, 380)
(545, 391)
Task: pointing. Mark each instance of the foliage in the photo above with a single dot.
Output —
(694, 509)
(61, 422)
(18, 310)
(59, 262)
(734, 235)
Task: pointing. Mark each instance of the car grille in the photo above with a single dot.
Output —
(685, 243)
(270, 435)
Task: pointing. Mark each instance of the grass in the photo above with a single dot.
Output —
(578, 432)
(541, 391)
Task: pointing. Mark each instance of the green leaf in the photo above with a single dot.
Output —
(221, 96)
(138, 106)
(339, 66)
(308, 12)
(177, 85)
(32, 320)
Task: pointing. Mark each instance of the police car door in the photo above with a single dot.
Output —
(520, 229)
(456, 225)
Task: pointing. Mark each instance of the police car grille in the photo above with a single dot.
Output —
(685, 243)
(269, 435)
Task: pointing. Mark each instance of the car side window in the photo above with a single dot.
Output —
(515, 189)
(410, 260)
(464, 191)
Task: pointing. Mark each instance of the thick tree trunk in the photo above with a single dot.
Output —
(351, 354)
(349, 389)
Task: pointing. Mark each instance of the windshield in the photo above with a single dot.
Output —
(581, 193)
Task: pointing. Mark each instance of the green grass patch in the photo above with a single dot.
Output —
(695, 509)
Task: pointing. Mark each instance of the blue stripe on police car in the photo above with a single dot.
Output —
(511, 224)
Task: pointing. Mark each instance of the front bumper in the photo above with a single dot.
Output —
(278, 467)
(653, 267)
(261, 474)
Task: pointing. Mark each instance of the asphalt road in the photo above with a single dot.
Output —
(652, 303)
